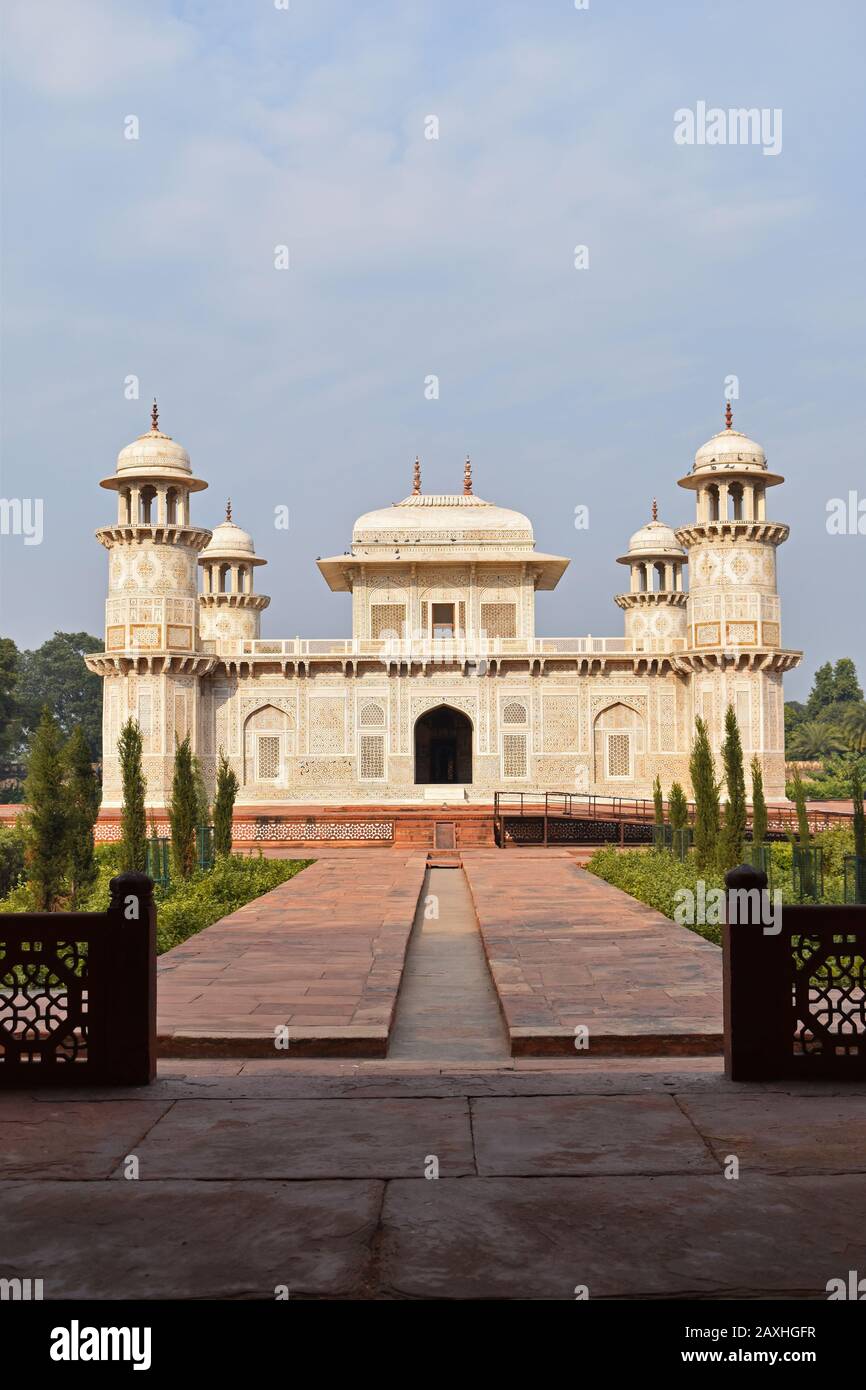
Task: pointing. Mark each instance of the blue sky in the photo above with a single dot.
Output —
(412, 257)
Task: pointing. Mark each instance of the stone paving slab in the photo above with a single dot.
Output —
(567, 950)
(789, 1134)
(321, 954)
(586, 1135)
(126, 1240)
(305, 1139)
(661, 1237)
(72, 1138)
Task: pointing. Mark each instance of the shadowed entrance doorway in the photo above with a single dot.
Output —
(443, 747)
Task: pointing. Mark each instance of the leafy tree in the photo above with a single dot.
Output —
(845, 683)
(9, 727)
(183, 810)
(133, 822)
(731, 845)
(47, 822)
(82, 800)
(226, 791)
(759, 805)
(823, 690)
(706, 793)
(55, 675)
(678, 807)
(795, 713)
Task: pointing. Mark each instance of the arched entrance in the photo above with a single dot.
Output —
(443, 747)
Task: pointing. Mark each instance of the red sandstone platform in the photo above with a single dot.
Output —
(567, 950)
(322, 954)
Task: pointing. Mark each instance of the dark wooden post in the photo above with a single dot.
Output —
(130, 982)
(757, 981)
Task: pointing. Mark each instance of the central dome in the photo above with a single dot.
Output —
(439, 519)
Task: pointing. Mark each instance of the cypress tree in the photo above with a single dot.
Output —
(733, 836)
(82, 799)
(47, 821)
(226, 791)
(804, 838)
(183, 811)
(678, 807)
(658, 802)
(202, 804)
(133, 822)
(759, 805)
(706, 793)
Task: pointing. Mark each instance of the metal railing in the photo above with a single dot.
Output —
(588, 806)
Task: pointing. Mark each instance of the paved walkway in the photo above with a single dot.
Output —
(322, 954)
(447, 1007)
(568, 950)
(551, 1175)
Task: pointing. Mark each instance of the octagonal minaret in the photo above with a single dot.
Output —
(152, 659)
(229, 609)
(655, 606)
(734, 621)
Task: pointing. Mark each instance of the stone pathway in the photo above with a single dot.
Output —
(567, 950)
(322, 954)
(447, 1007)
(551, 1175)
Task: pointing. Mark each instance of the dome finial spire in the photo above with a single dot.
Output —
(467, 478)
(729, 418)
(229, 509)
(416, 477)
(655, 510)
(154, 416)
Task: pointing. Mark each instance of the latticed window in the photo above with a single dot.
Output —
(514, 755)
(372, 756)
(145, 708)
(619, 755)
(387, 618)
(499, 619)
(372, 717)
(514, 714)
(267, 757)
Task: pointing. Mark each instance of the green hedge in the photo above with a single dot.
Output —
(653, 877)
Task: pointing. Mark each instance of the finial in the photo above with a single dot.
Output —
(229, 510)
(467, 478)
(655, 510)
(729, 419)
(416, 478)
(154, 415)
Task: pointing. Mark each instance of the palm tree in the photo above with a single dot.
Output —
(853, 725)
(814, 739)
